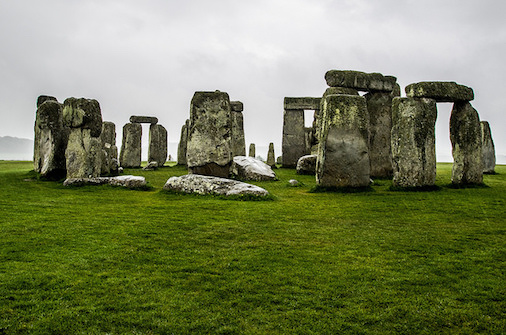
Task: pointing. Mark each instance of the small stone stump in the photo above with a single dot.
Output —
(487, 148)
(343, 154)
(413, 142)
(130, 155)
(466, 138)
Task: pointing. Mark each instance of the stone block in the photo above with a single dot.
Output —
(109, 149)
(183, 141)
(157, 149)
(294, 137)
(83, 113)
(252, 150)
(307, 165)
(441, 91)
(360, 81)
(305, 103)
(238, 140)
(143, 119)
(236, 106)
(487, 148)
(271, 158)
(130, 155)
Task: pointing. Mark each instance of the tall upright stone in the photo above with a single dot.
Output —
(84, 148)
(252, 150)
(157, 150)
(343, 156)
(294, 137)
(238, 140)
(130, 155)
(183, 141)
(50, 139)
(466, 138)
(413, 142)
(209, 149)
(271, 159)
(110, 163)
(487, 148)
(379, 106)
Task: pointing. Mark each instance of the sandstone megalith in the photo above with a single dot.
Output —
(84, 148)
(466, 138)
(110, 163)
(413, 142)
(271, 160)
(157, 150)
(360, 81)
(343, 154)
(209, 150)
(252, 151)
(441, 91)
(487, 148)
(238, 140)
(181, 149)
(130, 155)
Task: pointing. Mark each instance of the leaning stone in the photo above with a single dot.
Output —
(441, 91)
(83, 154)
(343, 154)
(252, 150)
(84, 114)
(123, 181)
(151, 166)
(413, 142)
(271, 161)
(143, 119)
(465, 135)
(249, 168)
(181, 149)
(487, 148)
(360, 80)
(157, 150)
(130, 156)
(209, 149)
(50, 140)
(109, 149)
(238, 140)
(199, 184)
(307, 165)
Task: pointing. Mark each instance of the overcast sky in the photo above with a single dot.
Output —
(149, 57)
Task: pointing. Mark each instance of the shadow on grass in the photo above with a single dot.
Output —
(431, 188)
(237, 197)
(334, 189)
(462, 186)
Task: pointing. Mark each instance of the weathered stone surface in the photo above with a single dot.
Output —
(50, 140)
(343, 156)
(123, 181)
(413, 142)
(236, 106)
(441, 91)
(252, 151)
(157, 150)
(465, 135)
(130, 156)
(183, 141)
(379, 106)
(83, 154)
(238, 140)
(249, 168)
(487, 148)
(143, 119)
(43, 98)
(199, 184)
(307, 165)
(305, 103)
(84, 114)
(360, 80)
(209, 135)
(153, 165)
(293, 182)
(110, 161)
(294, 137)
(271, 160)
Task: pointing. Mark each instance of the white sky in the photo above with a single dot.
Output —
(149, 57)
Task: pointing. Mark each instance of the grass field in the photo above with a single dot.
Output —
(106, 260)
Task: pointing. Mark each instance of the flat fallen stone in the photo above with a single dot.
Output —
(124, 181)
(307, 165)
(441, 91)
(360, 80)
(249, 168)
(200, 184)
(143, 119)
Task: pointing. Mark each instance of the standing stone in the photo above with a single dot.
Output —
(465, 135)
(413, 142)
(271, 160)
(110, 162)
(307, 165)
(343, 156)
(130, 156)
(181, 150)
(379, 106)
(157, 150)
(50, 139)
(487, 148)
(294, 137)
(252, 151)
(84, 148)
(209, 150)
(238, 140)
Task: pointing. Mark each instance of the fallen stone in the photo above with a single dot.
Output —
(249, 168)
(360, 80)
(307, 165)
(123, 181)
(143, 119)
(199, 184)
(487, 148)
(441, 91)
(151, 166)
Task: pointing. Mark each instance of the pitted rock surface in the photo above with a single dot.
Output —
(249, 168)
(441, 91)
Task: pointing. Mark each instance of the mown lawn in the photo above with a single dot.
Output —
(97, 260)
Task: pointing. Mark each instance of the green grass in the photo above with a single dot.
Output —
(106, 260)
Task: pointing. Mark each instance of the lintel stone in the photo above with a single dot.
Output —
(360, 80)
(441, 91)
(143, 119)
(302, 103)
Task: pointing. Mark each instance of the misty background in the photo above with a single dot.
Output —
(149, 57)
